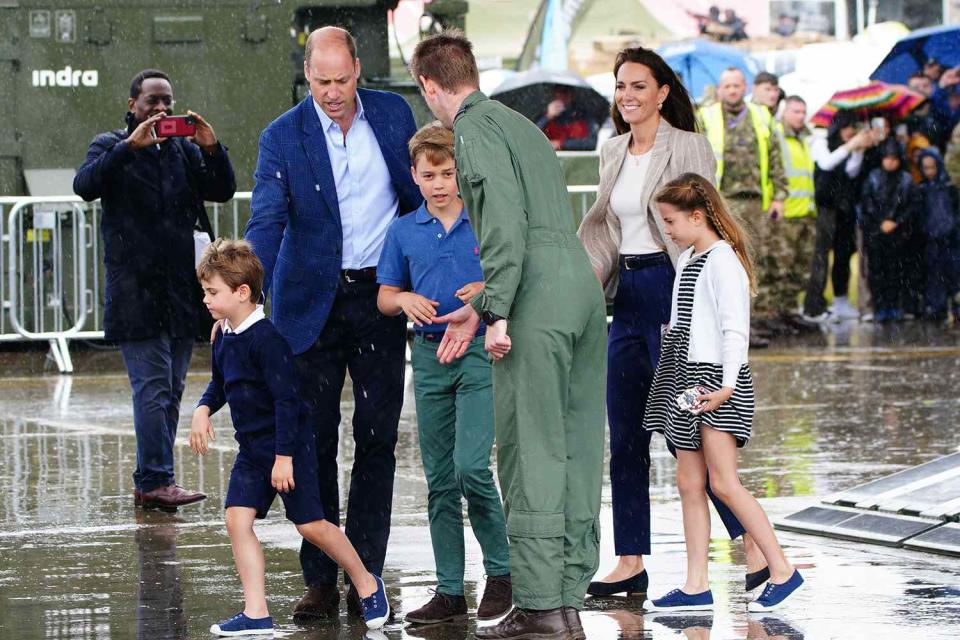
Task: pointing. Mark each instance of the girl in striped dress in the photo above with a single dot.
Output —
(706, 346)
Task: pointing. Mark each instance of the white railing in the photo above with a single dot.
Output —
(51, 276)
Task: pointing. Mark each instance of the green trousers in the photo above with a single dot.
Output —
(549, 395)
(455, 425)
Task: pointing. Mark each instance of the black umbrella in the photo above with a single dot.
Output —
(529, 93)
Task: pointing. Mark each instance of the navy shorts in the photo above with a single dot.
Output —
(250, 479)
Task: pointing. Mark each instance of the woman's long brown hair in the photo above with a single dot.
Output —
(691, 191)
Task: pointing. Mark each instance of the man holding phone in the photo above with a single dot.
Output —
(151, 188)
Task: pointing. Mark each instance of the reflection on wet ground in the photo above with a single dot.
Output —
(76, 560)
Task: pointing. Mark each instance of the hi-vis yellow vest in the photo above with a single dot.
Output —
(798, 165)
(712, 119)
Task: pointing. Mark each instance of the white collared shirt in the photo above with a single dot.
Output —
(367, 200)
(252, 319)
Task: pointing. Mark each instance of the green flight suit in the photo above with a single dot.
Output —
(549, 390)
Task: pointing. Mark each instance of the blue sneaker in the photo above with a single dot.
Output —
(775, 595)
(241, 625)
(677, 600)
(376, 609)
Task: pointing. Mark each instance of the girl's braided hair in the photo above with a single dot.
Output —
(691, 191)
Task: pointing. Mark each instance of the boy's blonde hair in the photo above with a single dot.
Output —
(433, 140)
(235, 262)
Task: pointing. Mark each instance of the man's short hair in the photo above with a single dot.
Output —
(795, 98)
(348, 42)
(136, 85)
(447, 59)
(235, 262)
(765, 77)
(433, 140)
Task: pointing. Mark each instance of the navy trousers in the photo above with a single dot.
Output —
(359, 339)
(941, 272)
(640, 310)
(157, 369)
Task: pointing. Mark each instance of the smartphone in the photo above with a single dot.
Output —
(878, 123)
(176, 126)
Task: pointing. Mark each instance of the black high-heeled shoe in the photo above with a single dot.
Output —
(632, 586)
(757, 578)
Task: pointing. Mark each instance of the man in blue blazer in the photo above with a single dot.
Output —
(332, 174)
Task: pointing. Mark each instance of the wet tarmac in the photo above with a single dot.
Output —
(834, 410)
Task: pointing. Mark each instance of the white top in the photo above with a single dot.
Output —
(626, 202)
(829, 160)
(720, 323)
(365, 194)
(256, 316)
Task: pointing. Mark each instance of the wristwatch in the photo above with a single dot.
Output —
(489, 318)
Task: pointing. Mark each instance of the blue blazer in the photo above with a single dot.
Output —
(295, 217)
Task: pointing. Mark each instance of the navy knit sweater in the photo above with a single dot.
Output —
(253, 371)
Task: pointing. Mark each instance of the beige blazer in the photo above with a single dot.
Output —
(674, 152)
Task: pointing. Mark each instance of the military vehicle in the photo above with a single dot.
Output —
(65, 69)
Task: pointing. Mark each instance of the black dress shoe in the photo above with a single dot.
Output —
(757, 578)
(354, 608)
(572, 619)
(548, 624)
(442, 607)
(634, 585)
(321, 602)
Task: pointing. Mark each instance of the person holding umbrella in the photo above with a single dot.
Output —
(634, 260)
(565, 126)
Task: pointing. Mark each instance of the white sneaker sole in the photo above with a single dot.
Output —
(649, 606)
(756, 607)
(377, 623)
(215, 629)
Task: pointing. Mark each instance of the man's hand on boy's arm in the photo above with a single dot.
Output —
(201, 430)
(282, 476)
(467, 292)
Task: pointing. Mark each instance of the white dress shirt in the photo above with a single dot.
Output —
(367, 200)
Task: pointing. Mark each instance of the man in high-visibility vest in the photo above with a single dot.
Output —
(799, 208)
(751, 179)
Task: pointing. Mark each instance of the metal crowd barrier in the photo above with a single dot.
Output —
(51, 265)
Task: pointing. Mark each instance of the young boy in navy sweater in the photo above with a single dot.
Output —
(430, 266)
(253, 372)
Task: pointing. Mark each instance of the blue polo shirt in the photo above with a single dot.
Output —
(419, 256)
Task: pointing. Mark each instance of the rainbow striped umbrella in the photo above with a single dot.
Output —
(875, 99)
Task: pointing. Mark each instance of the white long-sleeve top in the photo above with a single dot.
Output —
(829, 160)
(720, 323)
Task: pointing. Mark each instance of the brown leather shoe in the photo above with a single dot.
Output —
(137, 498)
(321, 602)
(169, 498)
(528, 624)
(572, 619)
(497, 597)
(442, 607)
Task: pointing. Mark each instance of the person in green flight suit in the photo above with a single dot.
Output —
(546, 332)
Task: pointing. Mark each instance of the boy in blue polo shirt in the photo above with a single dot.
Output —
(253, 372)
(430, 266)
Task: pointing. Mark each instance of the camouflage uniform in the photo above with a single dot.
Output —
(800, 233)
(740, 187)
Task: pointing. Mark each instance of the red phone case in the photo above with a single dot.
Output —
(176, 126)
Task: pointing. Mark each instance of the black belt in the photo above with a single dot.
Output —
(633, 263)
(431, 336)
(745, 195)
(368, 274)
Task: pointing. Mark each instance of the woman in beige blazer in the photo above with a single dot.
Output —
(634, 260)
